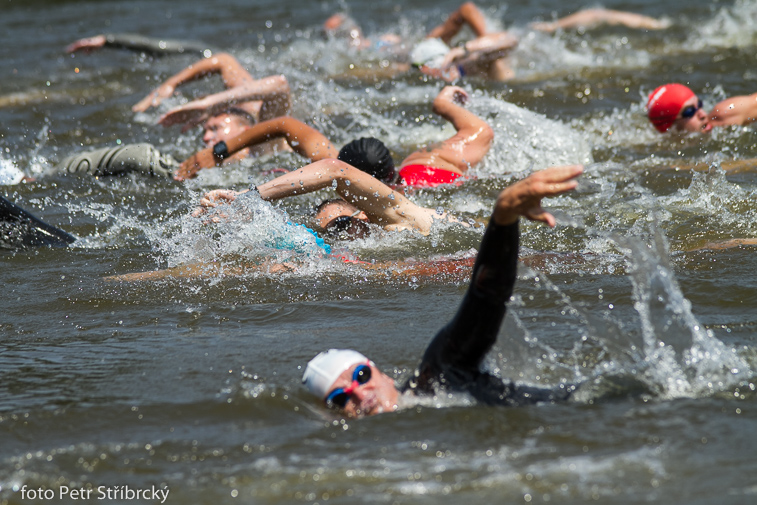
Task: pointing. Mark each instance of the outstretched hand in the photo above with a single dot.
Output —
(165, 90)
(87, 44)
(524, 197)
(454, 94)
(214, 198)
(189, 168)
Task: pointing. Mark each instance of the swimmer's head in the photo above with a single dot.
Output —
(347, 380)
(429, 53)
(226, 125)
(341, 220)
(342, 26)
(347, 228)
(675, 105)
(371, 156)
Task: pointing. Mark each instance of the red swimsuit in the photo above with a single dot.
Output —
(422, 175)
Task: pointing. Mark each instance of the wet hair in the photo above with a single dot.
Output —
(347, 228)
(342, 227)
(318, 208)
(241, 113)
(371, 156)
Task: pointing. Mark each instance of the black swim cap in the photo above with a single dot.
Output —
(371, 156)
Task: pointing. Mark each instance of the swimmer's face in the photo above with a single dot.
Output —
(222, 127)
(692, 117)
(375, 396)
(333, 23)
(343, 26)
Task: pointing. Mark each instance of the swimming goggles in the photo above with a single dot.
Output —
(689, 111)
(340, 396)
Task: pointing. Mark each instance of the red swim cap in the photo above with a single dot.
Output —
(665, 103)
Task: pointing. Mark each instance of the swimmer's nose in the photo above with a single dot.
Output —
(207, 137)
(359, 393)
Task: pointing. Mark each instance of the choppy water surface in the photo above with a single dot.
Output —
(192, 385)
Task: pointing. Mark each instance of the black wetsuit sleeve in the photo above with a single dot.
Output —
(155, 46)
(460, 347)
(19, 228)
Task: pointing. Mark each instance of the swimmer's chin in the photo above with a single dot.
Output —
(376, 408)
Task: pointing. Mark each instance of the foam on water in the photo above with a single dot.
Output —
(248, 228)
(681, 357)
(525, 140)
(540, 55)
(711, 195)
(734, 26)
(10, 174)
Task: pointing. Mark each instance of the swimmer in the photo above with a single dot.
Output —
(438, 164)
(348, 381)
(718, 245)
(482, 56)
(148, 45)
(263, 99)
(223, 115)
(675, 106)
(452, 270)
(365, 197)
(486, 55)
(146, 159)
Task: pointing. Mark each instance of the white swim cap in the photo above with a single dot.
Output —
(430, 53)
(323, 370)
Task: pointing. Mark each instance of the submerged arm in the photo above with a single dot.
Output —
(590, 18)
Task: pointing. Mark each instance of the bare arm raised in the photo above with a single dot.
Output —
(303, 139)
(468, 14)
(468, 146)
(272, 91)
(383, 206)
(524, 197)
(231, 71)
(474, 135)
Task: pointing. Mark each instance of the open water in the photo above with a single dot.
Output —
(192, 386)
